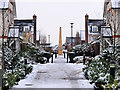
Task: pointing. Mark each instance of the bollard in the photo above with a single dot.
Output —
(71, 55)
(64, 54)
(47, 55)
(112, 71)
(25, 63)
(52, 59)
(83, 58)
(67, 57)
(55, 55)
(47, 59)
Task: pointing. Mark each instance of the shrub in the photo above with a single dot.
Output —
(14, 69)
(98, 70)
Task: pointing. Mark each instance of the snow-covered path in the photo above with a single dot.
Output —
(57, 75)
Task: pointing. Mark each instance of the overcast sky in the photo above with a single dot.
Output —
(52, 14)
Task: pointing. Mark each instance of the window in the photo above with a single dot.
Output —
(94, 29)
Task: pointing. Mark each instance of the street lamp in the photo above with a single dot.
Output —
(112, 70)
(49, 38)
(71, 33)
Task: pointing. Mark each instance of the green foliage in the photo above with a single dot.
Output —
(98, 70)
(113, 85)
(86, 49)
(28, 69)
(14, 69)
(80, 47)
(33, 54)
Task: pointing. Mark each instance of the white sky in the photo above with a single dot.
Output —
(52, 14)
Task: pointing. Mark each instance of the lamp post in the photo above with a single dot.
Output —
(71, 34)
(48, 38)
(112, 70)
(84, 56)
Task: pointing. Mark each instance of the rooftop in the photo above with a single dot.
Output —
(23, 22)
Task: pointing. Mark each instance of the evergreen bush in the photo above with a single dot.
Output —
(98, 70)
(14, 68)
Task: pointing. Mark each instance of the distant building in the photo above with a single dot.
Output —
(46, 46)
(68, 40)
(14, 39)
(82, 36)
(7, 15)
(25, 31)
(25, 26)
(93, 32)
(79, 39)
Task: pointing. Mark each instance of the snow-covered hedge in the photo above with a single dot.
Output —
(78, 59)
(84, 48)
(98, 70)
(34, 54)
(14, 68)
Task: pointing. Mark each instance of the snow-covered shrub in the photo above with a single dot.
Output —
(14, 68)
(78, 59)
(29, 69)
(41, 60)
(98, 70)
(34, 54)
(84, 48)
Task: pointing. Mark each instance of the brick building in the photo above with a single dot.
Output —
(7, 15)
(93, 32)
(26, 33)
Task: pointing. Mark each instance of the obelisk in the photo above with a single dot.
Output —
(60, 48)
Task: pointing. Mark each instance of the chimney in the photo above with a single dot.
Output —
(34, 19)
(86, 28)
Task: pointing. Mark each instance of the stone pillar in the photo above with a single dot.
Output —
(86, 28)
(60, 48)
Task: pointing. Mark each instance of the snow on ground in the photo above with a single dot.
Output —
(56, 75)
